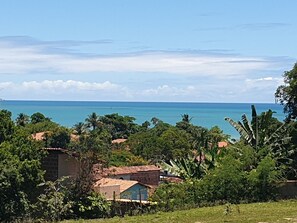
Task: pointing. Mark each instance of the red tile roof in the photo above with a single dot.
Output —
(131, 169)
(222, 144)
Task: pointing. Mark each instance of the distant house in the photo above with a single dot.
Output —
(58, 163)
(122, 189)
(39, 136)
(118, 141)
(148, 174)
(222, 144)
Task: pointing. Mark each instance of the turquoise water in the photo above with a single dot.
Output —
(68, 113)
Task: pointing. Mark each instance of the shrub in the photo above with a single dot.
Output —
(53, 204)
(225, 184)
(92, 205)
(263, 180)
(174, 196)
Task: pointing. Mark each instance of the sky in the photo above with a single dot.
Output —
(146, 50)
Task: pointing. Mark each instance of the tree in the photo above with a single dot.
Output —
(186, 118)
(22, 119)
(6, 125)
(287, 94)
(263, 130)
(94, 152)
(38, 117)
(265, 135)
(119, 126)
(79, 128)
(53, 205)
(20, 175)
(93, 120)
(59, 138)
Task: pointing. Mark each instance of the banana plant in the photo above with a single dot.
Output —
(245, 128)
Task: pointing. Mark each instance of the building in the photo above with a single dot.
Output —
(148, 174)
(58, 163)
(122, 189)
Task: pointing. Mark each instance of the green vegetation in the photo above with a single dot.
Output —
(282, 211)
(247, 170)
(287, 94)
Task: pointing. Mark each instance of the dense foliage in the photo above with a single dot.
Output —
(286, 94)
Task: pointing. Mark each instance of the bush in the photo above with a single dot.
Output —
(53, 204)
(263, 180)
(227, 183)
(171, 196)
(92, 205)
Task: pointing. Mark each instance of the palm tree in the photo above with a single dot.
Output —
(186, 118)
(155, 120)
(22, 119)
(79, 128)
(93, 120)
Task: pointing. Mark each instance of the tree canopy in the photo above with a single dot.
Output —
(286, 94)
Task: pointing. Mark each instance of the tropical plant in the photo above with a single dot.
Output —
(93, 120)
(119, 126)
(6, 125)
(246, 129)
(186, 168)
(38, 117)
(186, 118)
(79, 128)
(22, 119)
(54, 204)
(263, 130)
(286, 94)
(20, 173)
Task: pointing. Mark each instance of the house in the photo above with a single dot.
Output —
(222, 144)
(58, 163)
(122, 189)
(118, 141)
(148, 174)
(40, 136)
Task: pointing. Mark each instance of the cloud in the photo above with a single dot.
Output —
(17, 57)
(265, 81)
(52, 88)
(166, 90)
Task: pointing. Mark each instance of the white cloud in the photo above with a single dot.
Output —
(169, 91)
(68, 85)
(264, 81)
(62, 90)
(143, 76)
(22, 59)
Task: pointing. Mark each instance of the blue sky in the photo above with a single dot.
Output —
(141, 50)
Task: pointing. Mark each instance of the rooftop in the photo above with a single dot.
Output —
(124, 184)
(131, 169)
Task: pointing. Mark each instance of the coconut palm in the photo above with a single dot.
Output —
(79, 128)
(93, 120)
(186, 118)
(22, 119)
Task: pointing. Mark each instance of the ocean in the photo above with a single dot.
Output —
(68, 113)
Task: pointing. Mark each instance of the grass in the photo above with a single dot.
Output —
(282, 211)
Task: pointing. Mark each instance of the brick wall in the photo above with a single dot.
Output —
(50, 165)
(147, 177)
